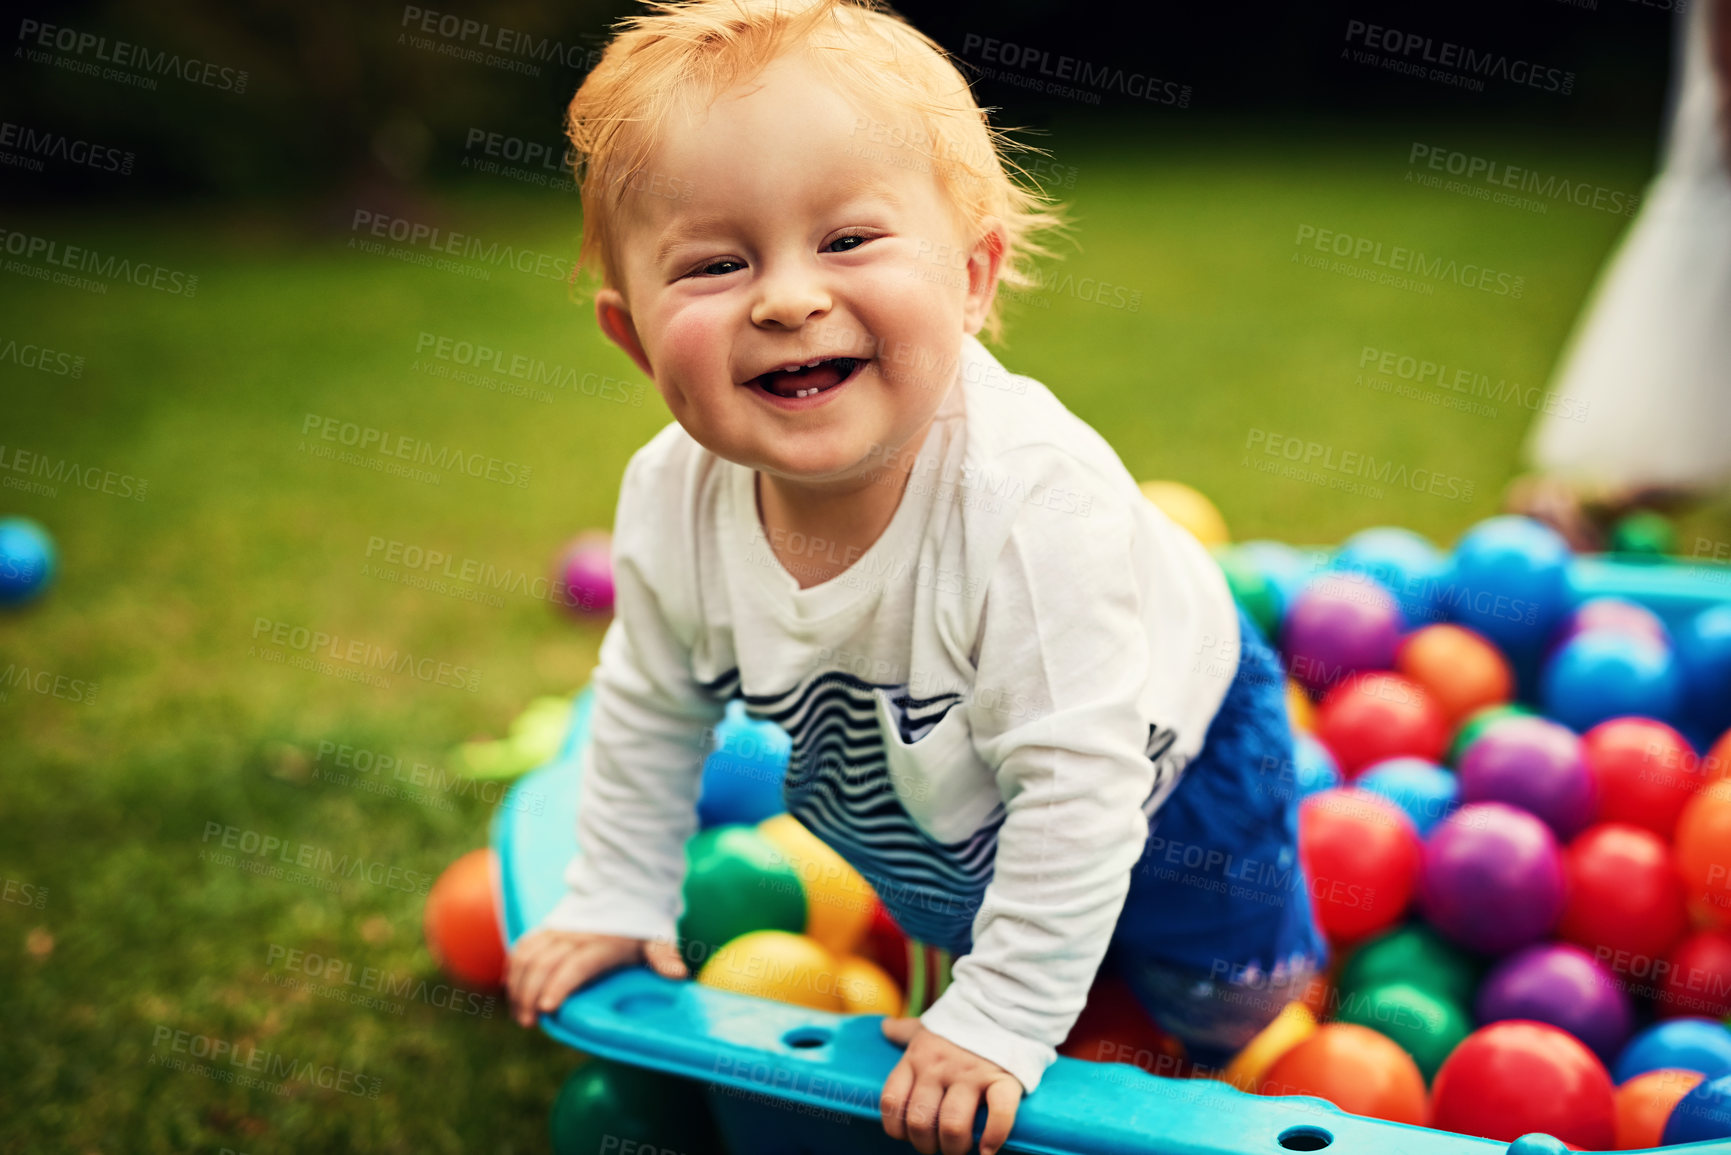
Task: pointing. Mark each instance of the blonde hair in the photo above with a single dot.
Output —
(680, 50)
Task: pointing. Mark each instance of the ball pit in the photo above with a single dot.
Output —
(1645, 770)
(1338, 626)
(1704, 658)
(1356, 1069)
(1624, 895)
(1697, 977)
(1704, 853)
(1361, 854)
(1427, 1026)
(1511, 1079)
(1536, 765)
(1691, 1044)
(1492, 878)
(1510, 581)
(1564, 986)
(1404, 562)
(1462, 670)
(1377, 716)
(1425, 791)
(1644, 1104)
(1604, 674)
(1703, 1114)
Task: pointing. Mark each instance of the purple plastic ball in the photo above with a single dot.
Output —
(1536, 765)
(1340, 624)
(585, 576)
(1491, 878)
(1564, 986)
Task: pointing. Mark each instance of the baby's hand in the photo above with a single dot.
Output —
(938, 1086)
(547, 965)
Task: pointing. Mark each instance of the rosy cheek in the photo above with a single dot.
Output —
(695, 332)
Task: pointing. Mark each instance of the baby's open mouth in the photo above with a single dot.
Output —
(804, 382)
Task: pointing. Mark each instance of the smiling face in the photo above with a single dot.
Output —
(800, 241)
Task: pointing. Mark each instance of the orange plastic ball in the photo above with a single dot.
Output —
(1717, 764)
(1461, 669)
(461, 922)
(1704, 853)
(1644, 1104)
(1299, 707)
(1356, 1069)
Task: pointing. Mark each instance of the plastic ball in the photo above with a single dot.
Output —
(1697, 977)
(736, 880)
(1189, 509)
(1692, 1044)
(886, 945)
(1415, 954)
(1361, 855)
(583, 575)
(1474, 726)
(1492, 878)
(1422, 1023)
(1286, 567)
(1114, 1028)
(1426, 791)
(742, 776)
(1299, 708)
(1646, 772)
(1462, 670)
(461, 921)
(1704, 656)
(1340, 625)
(1603, 674)
(1619, 615)
(1511, 1079)
(1374, 717)
(777, 965)
(1510, 581)
(1356, 1069)
(1564, 986)
(28, 560)
(1703, 1114)
(1404, 562)
(1624, 896)
(1249, 1067)
(840, 903)
(1704, 853)
(1643, 534)
(867, 989)
(1716, 765)
(1645, 1102)
(603, 1102)
(1536, 765)
(1253, 590)
(1314, 769)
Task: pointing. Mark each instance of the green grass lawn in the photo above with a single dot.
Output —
(107, 801)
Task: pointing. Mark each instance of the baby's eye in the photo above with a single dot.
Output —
(719, 268)
(857, 240)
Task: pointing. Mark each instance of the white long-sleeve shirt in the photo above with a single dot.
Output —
(986, 706)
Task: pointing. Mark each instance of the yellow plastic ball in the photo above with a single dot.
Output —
(867, 989)
(1290, 1027)
(839, 901)
(1300, 708)
(774, 964)
(1189, 509)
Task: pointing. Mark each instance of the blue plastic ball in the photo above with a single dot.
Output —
(1509, 581)
(1607, 674)
(27, 560)
(1692, 1044)
(1704, 660)
(1427, 792)
(1286, 568)
(1702, 1114)
(742, 776)
(1314, 767)
(1413, 569)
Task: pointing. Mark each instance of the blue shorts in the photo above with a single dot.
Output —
(1217, 932)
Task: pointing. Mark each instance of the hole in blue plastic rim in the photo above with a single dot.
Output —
(806, 1037)
(641, 1002)
(1305, 1138)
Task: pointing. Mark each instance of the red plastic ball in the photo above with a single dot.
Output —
(1361, 855)
(1516, 1077)
(1647, 772)
(1625, 902)
(1697, 978)
(1372, 717)
(461, 922)
(886, 945)
(1115, 1028)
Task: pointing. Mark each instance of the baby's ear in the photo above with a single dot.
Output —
(615, 321)
(985, 262)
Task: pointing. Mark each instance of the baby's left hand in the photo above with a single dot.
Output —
(938, 1085)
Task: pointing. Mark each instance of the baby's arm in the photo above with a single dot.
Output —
(650, 726)
(1063, 636)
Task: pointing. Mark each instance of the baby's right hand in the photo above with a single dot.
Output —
(547, 965)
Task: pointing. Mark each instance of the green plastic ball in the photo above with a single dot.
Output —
(1477, 722)
(736, 881)
(1252, 590)
(1424, 1025)
(603, 1106)
(1644, 534)
(1414, 954)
